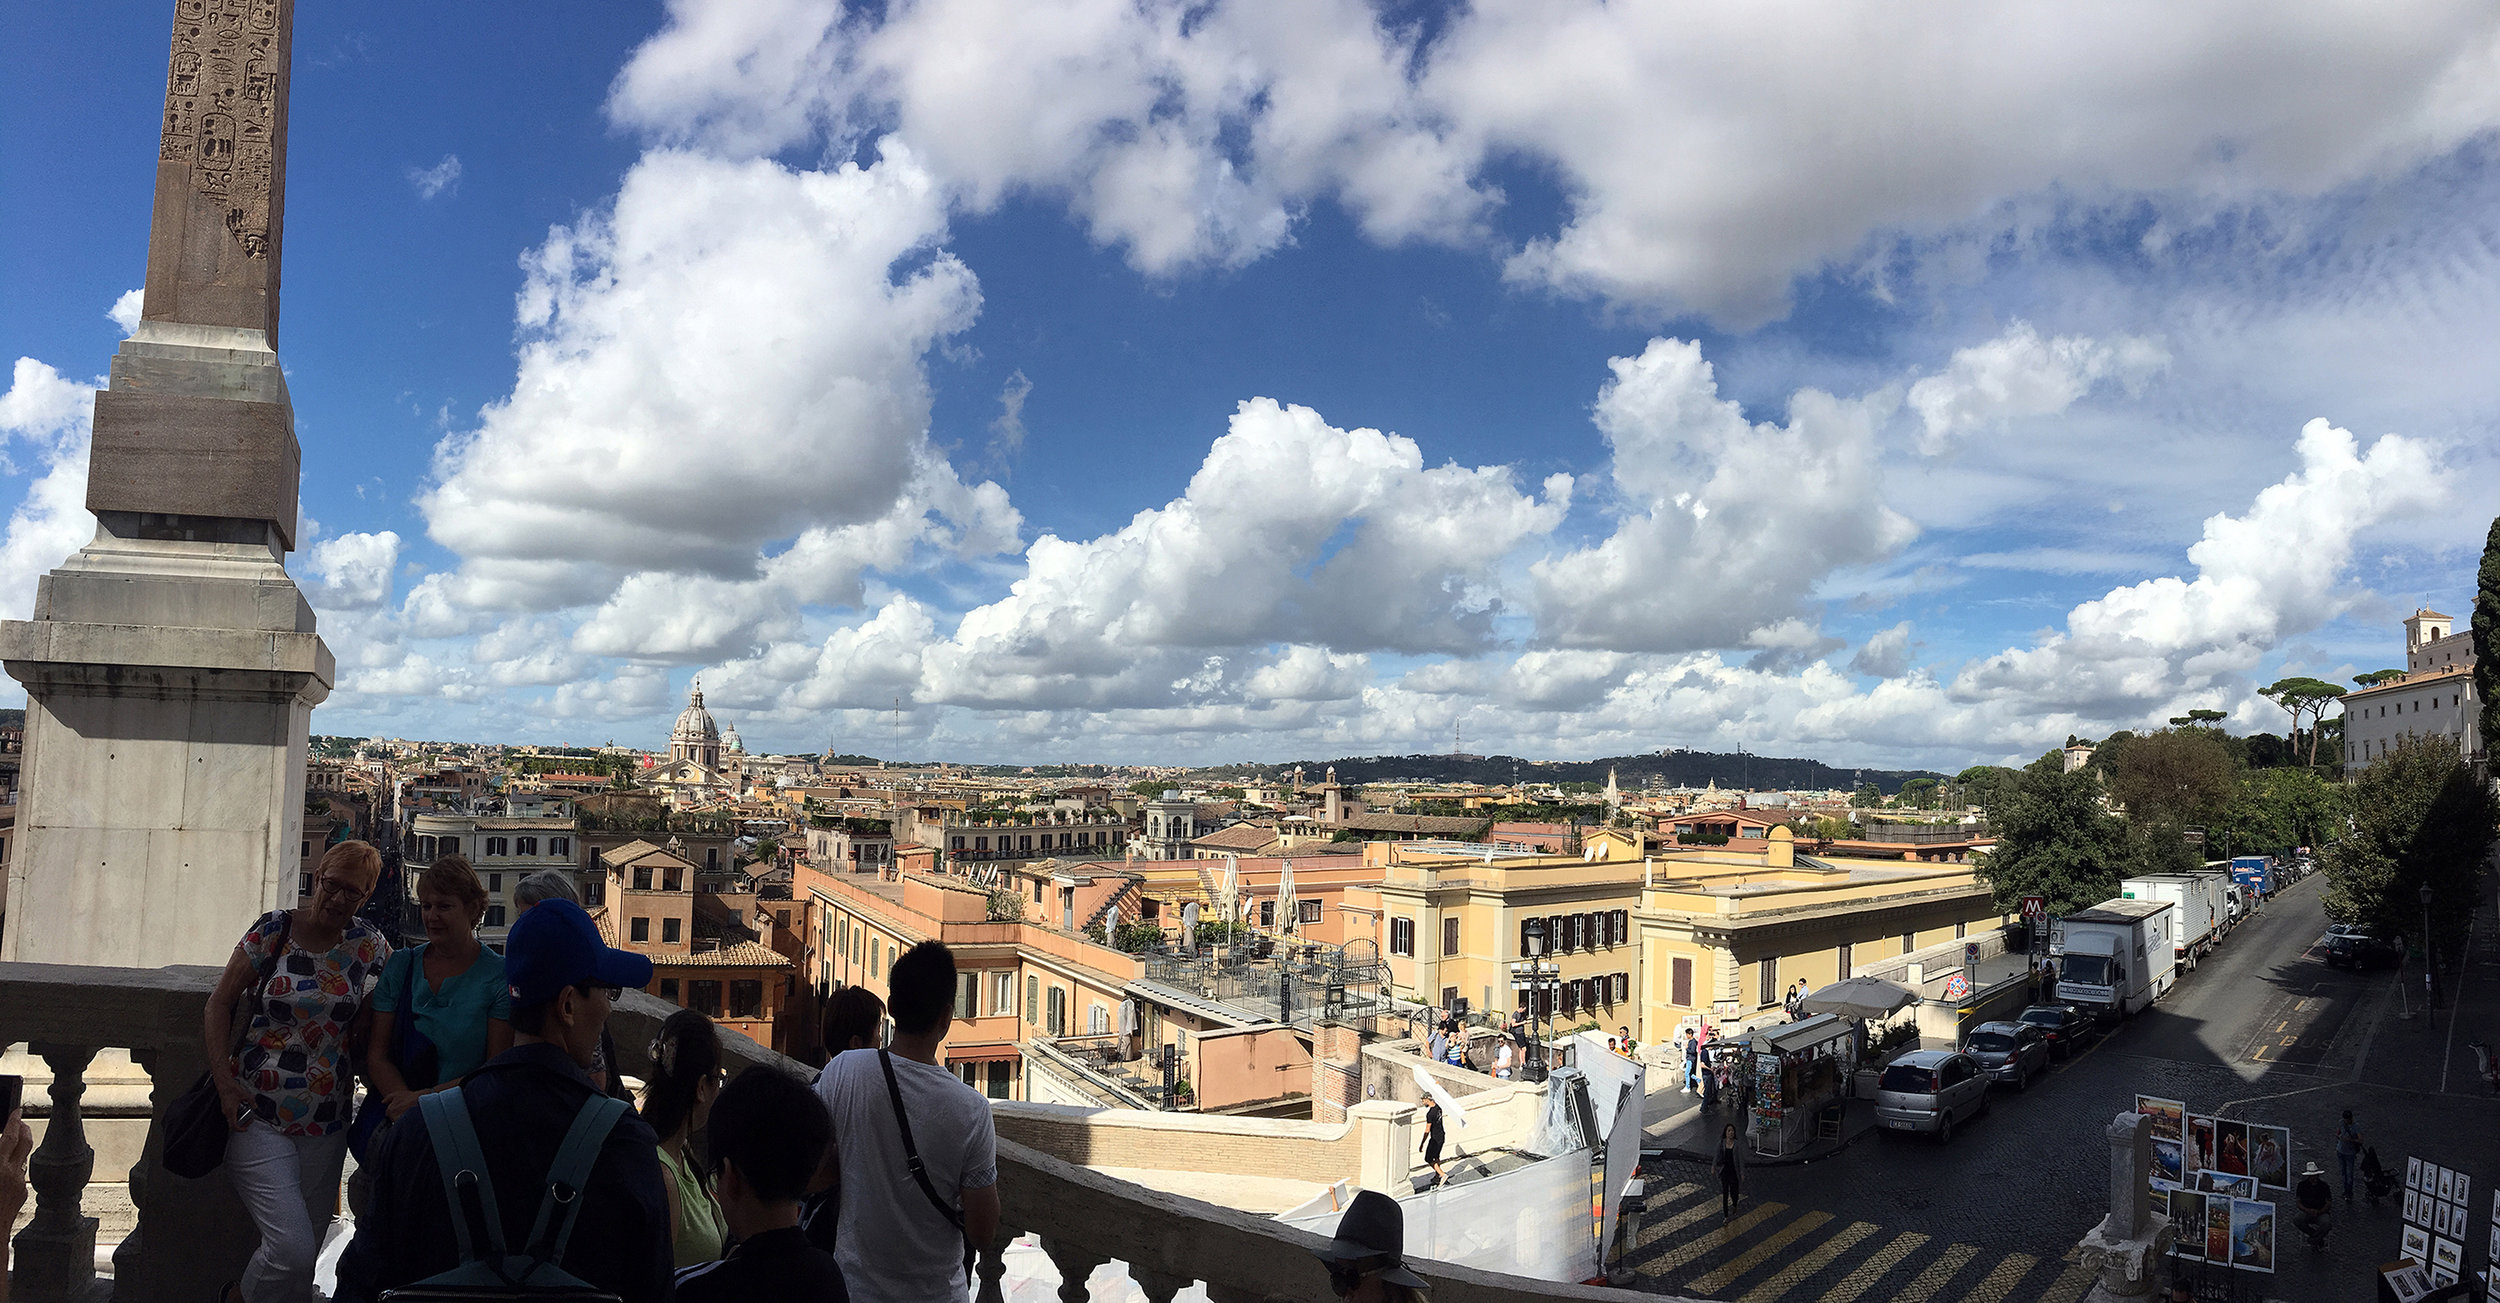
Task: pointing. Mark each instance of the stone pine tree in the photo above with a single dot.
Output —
(2486, 633)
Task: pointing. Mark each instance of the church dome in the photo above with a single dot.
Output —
(694, 724)
(730, 743)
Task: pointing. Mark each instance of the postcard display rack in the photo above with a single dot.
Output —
(2440, 1227)
(2211, 1177)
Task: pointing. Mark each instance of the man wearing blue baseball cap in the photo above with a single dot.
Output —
(520, 1106)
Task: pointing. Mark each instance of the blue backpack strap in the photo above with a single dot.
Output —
(457, 1156)
(567, 1176)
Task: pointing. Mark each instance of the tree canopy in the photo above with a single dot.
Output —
(2054, 839)
(2485, 629)
(2419, 819)
(2178, 776)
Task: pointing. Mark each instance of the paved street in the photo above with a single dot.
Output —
(2263, 1031)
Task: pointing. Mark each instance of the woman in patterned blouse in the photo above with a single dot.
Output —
(289, 1094)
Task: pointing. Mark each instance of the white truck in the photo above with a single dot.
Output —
(2116, 957)
(2204, 909)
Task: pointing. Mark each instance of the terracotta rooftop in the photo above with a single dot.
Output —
(745, 954)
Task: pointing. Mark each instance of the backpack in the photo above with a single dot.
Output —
(489, 1269)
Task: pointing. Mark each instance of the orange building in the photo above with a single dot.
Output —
(695, 927)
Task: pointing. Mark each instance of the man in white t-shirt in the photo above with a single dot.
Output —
(894, 1243)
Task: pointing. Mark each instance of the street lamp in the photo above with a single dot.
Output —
(2430, 963)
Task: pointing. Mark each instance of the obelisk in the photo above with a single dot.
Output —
(171, 666)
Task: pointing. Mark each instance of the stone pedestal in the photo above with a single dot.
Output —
(171, 668)
(2126, 1250)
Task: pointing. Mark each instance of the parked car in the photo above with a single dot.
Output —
(1931, 1091)
(2011, 1052)
(2062, 1026)
(2353, 950)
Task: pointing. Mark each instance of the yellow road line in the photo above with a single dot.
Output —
(1937, 1273)
(2070, 1286)
(1651, 1231)
(1751, 1258)
(1875, 1268)
(1995, 1286)
(1815, 1260)
(1692, 1250)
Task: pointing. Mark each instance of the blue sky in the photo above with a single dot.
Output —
(1112, 381)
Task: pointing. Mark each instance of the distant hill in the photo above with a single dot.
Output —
(1674, 769)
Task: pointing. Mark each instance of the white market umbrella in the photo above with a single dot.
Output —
(1859, 997)
(1189, 928)
(1230, 895)
(1285, 904)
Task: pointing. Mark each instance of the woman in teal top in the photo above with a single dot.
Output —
(451, 984)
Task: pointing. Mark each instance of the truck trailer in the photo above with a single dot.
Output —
(2203, 904)
(2116, 957)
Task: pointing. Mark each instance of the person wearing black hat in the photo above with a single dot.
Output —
(1367, 1259)
(564, 980)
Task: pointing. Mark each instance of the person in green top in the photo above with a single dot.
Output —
(677, 1101)
(451, 984)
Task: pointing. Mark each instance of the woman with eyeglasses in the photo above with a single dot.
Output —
(301, 976)
(685, 1079)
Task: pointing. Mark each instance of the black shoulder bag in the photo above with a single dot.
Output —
(911, 1159)
(195, 1124)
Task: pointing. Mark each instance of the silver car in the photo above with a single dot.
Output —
(2010, 1052)
(1930, 1090)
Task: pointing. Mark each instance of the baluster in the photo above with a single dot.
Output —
(188, 1231)
(991, 1266)
(1159, 1288)
(56, 1252)
(1076, 1265)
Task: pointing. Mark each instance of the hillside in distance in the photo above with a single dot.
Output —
(1673, 768)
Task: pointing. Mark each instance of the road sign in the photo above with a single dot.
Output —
(2035, 909)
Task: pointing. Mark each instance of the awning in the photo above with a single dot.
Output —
(1859, 997)
(984, 1054)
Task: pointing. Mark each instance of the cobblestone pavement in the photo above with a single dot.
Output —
(2263, 1031)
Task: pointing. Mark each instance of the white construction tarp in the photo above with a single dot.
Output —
(1531, 1221)
(1618, 1087)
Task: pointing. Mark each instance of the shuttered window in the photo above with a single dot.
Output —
(1681, 982)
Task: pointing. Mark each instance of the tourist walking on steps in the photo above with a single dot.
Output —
(2347, 1151)
(1729, 1168)
(1435, 1134)
(1691, 1045)
(302, 976)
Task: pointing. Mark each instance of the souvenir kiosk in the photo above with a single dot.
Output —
(1799, 1074)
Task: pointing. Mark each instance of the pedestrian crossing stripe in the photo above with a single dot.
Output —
(1815, 1260)
(1752, 1258)
(1998, 1285)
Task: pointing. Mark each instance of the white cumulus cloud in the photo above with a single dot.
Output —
(2018, 374)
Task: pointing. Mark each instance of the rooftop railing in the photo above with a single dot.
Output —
(189, 1232)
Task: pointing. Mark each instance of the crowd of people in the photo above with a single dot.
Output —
(495, 1142)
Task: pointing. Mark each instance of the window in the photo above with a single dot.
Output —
(303, 884)
(1401, 936)
(999, 1083)
(1571, 997)
(668, 989)
(958, 844)
(980, 843)
(642, 877)
(525, 846)
(1267, 915)
(781, 918)
(967, 994)
(494, 883)
(1003, 994)
(1098, 1020)
(889, 955)
(704, 998)
(1307, 910)
(1844, 961)
(495, 846)
(669, 934)
(1909, 942)
(1449, 934)
(559, 846)
(872, 959)
(711, 857)
(494, 916)
(1770, 966)
(746, 998)
(425, 848)
(1960, 930)
(304, 851)
(1680, 984)
(1623, 925)
(641, 929)
(1032, 1000)
(673, 880)
(446, 846)
(1057, 1023)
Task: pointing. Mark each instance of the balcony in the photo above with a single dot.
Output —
(189, 1232)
